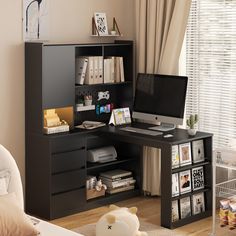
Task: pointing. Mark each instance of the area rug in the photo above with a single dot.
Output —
(152, 230)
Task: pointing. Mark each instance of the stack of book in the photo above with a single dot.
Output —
(118, 180)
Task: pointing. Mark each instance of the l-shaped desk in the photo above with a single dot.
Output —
(62, 159)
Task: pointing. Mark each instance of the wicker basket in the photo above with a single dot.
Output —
(93, 193)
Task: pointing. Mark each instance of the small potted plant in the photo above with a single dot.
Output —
(193, 119)
(88, 100)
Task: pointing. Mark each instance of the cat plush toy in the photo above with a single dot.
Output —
(119, 222)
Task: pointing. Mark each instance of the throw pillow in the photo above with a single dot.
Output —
(4, 181)
(13, 220)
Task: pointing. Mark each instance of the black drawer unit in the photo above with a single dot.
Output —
(67, 161)
(68, 181)
(68, 203)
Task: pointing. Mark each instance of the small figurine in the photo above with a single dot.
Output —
(99, 186)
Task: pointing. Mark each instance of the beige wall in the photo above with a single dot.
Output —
(70, 21)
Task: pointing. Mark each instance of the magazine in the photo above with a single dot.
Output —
(185, 207)
(175, 156)
(185, 181)
(198, 203)
(175, 185)
(198, 178)
(175, 211)
(185, 154)
(198, 151)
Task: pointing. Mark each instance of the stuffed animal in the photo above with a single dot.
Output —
(119, 221)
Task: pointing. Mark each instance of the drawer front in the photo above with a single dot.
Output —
(67, 143)
(68, 203)
(68, 181)
(68, 161)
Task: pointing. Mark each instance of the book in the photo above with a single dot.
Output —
(116, 179)
(185, 181)
(175, 184)
(119, 183)
(198, 178)
(198, 151)
(101, 23)
(185, 207)
(175, 211)
(185, 154)
(81, 67)
(117, 173)
(121, 189)
(198, 203)
(175, 156)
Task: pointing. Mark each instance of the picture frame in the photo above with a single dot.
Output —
(100, 21)
(185, 181)
(198, 178)
(185, 154)
(198, 151)
(185, 207)
(198, 203)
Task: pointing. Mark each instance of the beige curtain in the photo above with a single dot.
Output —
(160, 29)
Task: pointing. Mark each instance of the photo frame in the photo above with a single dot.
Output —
(100, 21)
(185, 154)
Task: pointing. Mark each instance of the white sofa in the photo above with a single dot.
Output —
(7, 162)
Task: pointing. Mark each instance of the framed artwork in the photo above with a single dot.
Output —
(101, 23)
(198, 151)
(185, 154)
(35, 20)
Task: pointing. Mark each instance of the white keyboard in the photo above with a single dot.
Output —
(141, 131)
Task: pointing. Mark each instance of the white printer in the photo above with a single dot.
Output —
(104, 154)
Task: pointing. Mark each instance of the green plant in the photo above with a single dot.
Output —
(193, 119)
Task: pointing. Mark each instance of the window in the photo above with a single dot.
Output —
(211, 67)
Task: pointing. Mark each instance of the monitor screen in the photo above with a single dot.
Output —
(162, 96)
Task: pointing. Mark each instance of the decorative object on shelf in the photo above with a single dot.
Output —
(120, 116)
(36, 20)
(104, 109)
(100, 28)
(103, 95)
(53, 124)
(119, 221)
(99, 24)
(88, 99)
(193, 119)
(95, 188)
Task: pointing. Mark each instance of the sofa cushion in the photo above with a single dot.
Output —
(13, 220)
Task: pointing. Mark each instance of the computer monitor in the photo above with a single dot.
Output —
(160, 98)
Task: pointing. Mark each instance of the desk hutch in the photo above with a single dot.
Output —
(56, 166)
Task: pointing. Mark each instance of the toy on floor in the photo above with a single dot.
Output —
(119, 221)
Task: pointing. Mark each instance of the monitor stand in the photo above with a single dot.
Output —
(164, 127)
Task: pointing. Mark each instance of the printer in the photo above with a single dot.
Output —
(101, 155)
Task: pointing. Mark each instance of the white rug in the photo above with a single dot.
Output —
(152, 230)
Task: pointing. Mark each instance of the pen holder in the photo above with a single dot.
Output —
(88, 102)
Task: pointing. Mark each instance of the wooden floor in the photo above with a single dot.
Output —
(148, 208)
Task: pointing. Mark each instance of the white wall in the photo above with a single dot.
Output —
(70, 22)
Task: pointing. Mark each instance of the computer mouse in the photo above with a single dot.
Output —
(168, 135)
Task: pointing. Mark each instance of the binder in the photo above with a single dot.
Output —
(100, 70)
(81, 66)
(117, 68)
(95, 71)
(107, 71)
(89, 77)
(122, 74)
(112, 69)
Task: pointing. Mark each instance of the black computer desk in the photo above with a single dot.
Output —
(165, 144)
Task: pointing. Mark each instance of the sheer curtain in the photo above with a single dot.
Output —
(160, 29)
(211, 67)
